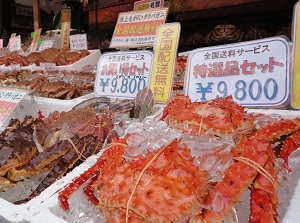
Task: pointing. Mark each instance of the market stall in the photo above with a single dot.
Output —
(150, 132)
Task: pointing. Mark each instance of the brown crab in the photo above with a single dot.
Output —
(16, 147)
(59, 89)
(61, 139)
(50, 54)
(224, 33)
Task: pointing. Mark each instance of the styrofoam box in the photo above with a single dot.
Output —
(32, 105)
(40, 208)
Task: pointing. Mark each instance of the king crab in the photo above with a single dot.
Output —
(57, 141)
(165, 185)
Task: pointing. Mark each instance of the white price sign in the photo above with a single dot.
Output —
(46, 44)
(123, 74)
(15, 43)
(255, 73)
(78, 42)
(8, 101)
(15, 66)
(1, 43)
(48, 66)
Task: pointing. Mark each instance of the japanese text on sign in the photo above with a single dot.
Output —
(46, 44)
(123, 74)
(48, 66)
(15, 43)
(65, 29)
(78, 42)
(8, 101)
(254, 72)
(135, 29)
(164, 61)
(146, 4)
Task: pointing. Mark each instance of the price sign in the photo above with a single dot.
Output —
(123, 74)
(46, 44)
(165, 51)
(48, 66)
(255, 73)
(15, 43)
(8, 101)
(295, 97)
(137, 28)
(15, 66)
(78, 42)
(1, 43)
(148, 4)
(65, 33)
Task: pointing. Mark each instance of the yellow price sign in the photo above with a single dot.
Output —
(165, 51)
(35, 39)
(295, 97)
(65, 34)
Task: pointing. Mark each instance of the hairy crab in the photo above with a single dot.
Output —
(142, 189)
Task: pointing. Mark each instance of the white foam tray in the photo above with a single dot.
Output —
(39, 209)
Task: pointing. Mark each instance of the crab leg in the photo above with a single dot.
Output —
(66, 162)
(263, 196)
(64, 195)
(89, 191)
(290, 145)
(41, 160)
(238, 176)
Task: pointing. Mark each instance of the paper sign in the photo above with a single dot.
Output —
(137, 29)
(148, 4)
(11, 36)
(1, 43)
(15, 43)
(65, 32)
(78, 42)
(255, 73)
(123, 74)
(15, 66)
(35, 39)
(8, 101)
(46, 44)
(165, 51)
(295, 96)
(48, 66)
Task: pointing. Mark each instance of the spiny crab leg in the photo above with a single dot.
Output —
(65, 193)
(66, 162)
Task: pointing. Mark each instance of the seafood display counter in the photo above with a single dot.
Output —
(72, 61)
(151, 148)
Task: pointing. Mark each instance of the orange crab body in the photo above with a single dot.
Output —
(221, 117)
(165, 191)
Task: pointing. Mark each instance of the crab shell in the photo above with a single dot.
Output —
(222, 116)
(49, 54)
(167, 191)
